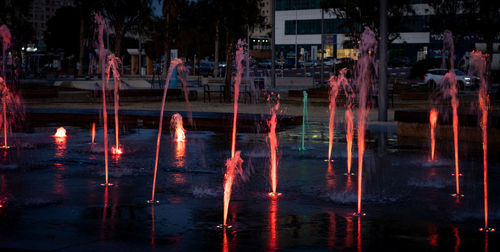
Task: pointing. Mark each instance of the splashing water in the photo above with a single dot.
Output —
(233, 167)
(60, 132)
(449, 84)
(234, 163)
(175, 63)
(304, 121)
(478, 67)
(273, 147)
(433, 116)
(364, 79)
(335, 83)
(113, 67)
(101, 28)
(93, 132)
(177, 129)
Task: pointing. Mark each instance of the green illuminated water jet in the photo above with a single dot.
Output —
(304, 121)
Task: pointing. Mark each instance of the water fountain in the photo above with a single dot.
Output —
(177, 129)
(335, 84)
(304, 120)
(233, 164)
(349, 122)
(174, 64)
(273, 147)
(113, 68)
(449, 87)
(101, 28)
(478, 67)
(364, 79)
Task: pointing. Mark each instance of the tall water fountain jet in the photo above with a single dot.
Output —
(349, 122)
(233, 164)
(175, 63)
(449, 84)
(364, 78)
(304, 120)
(335, 83)
(273, 147)
(114, 68)
(6, 42)
(101, 28)
(433, 116)
(478, 67)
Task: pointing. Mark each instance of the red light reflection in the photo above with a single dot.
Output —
(273, 208)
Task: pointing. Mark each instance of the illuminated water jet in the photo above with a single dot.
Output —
(233, 164)
(177, 129)
(433, 116)
(114, 68)
(273, 147)
(364, 79)
(479, 66)
(60, 132)
(335, 83)
(100, 29)
(175, 63)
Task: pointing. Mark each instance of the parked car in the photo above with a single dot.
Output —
(434, 76)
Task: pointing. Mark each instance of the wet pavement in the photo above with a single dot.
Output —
(53, 201)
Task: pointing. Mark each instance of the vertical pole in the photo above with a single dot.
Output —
(296, 25)
(273, 41)
(382, 84)
(247, 59)
(322, 47)
(140, 56)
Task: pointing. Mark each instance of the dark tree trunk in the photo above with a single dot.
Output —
(118, 42)
(229, 67)
(82, 45)
(216, 54)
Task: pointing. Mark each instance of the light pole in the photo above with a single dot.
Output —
(382, 84)
(273, 50)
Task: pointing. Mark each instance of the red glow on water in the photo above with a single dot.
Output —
(349, 136)
(225, 243)
(349, 238)
(359, 234)
(332, 230)
(180, 152)
(273, 237)
(457, 238)
(273, 146)
(153, 225)
(330, 176)
(61, 132)
(433, 236)
(433, 116)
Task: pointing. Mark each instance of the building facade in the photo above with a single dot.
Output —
(40, 11)
(298, 30)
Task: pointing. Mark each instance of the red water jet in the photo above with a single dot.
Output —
(114, 68)
(100, 29)
(335, 83)
(273, 146)
(433, 116)
(349, 117)
(60, 132)
(233, 164)
(364, 78)
(175, 63)
(479, 67)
